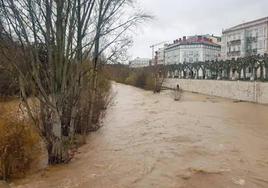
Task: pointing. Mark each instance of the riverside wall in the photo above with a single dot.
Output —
(237, 90)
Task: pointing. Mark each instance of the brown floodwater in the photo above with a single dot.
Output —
(149, 141)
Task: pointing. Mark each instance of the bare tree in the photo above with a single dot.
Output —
(56, 37)
(109, 30)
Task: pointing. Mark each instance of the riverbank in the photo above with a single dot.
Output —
(149, 140)
(237, 90)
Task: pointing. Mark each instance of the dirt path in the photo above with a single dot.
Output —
(151, 141)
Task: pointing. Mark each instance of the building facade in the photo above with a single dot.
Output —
(246, 39)
(140, 62)
(160, 56)
(215, 39)
(191, 49)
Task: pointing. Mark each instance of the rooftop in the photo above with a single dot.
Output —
(247, 24)
(198, 39)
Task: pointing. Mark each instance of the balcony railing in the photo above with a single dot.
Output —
(252, 39)
(234, 42)
(234, 53)
(251, 51)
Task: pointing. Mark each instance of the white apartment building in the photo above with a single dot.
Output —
(192, 49)
(245, 39)
(140, 62)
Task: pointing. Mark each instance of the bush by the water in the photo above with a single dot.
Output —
(18, 144)
(140, 77)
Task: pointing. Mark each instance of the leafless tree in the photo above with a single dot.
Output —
(56, 37)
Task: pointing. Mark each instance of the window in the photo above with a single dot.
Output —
(261, 31)
(256, 32)
(260, 44)
(249, 33)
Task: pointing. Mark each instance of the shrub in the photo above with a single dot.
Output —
(18, 146)
(150, 82)
(141, 79)
(103, 98)
(8, 84)
(131, 79)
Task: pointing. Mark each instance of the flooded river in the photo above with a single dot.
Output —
(150, 141)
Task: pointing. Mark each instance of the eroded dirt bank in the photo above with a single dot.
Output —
(151, 141)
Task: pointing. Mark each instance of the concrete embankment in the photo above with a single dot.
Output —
(237, 90)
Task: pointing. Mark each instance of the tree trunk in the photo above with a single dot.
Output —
(93, 99)
(96, 56)
(228, 74)
(244, 73)
(57, 145)
(266, 72)
(204, 73)
(261, 72)
(239, 74)
(255, 74)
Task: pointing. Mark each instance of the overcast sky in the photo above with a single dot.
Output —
(177, 18)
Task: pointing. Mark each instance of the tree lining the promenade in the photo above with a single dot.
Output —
(229, 69)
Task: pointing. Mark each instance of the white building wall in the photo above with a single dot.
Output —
(139, 62)
(160, 56)
(172, 55)
(257, 30)
(191, 53)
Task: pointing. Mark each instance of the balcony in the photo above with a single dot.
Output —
(234, 42)
(252, 51)
(251, 39)
(234, 53)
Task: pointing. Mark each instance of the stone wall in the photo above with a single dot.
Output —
(237, 90)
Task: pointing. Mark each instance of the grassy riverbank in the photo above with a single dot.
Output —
(138, 77)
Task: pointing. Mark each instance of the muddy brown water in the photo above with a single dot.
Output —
(150, 141)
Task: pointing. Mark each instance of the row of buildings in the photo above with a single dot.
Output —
(239, 41)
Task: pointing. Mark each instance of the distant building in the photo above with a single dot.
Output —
(215, 39)
(140, 62)
(160, 56)
(192, 49)
(246, 39)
